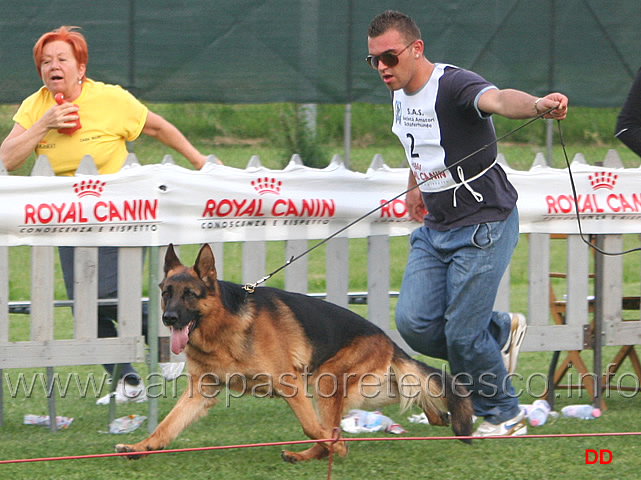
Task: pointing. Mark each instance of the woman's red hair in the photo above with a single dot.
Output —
(65, 34)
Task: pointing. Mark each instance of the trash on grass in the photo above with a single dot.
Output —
(539, 413)
(584, 412)
(419, 418)
(126, 424)
(360, 421)
(43, 420)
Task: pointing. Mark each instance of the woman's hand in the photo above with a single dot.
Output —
(61, 116)
(21, 143)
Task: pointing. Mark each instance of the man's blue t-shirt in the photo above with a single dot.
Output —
(441, 124)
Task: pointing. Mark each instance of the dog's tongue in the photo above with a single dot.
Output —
(179, 339)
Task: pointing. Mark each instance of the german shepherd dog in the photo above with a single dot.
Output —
(285, 344)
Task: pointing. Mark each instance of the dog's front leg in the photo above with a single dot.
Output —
(190, 407)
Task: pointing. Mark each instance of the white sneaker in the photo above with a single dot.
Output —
(510, 350)
(125, 393)
(513, 427)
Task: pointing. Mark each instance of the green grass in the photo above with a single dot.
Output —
(234, 134)
(247, 421)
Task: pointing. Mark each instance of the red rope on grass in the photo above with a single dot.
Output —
(155, 452)
(336, 432)
(331, 441)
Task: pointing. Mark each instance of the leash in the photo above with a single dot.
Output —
(250, 287)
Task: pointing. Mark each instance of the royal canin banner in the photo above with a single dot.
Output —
(163, 203)
(608, 200)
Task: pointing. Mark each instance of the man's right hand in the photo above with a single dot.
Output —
(415, 206)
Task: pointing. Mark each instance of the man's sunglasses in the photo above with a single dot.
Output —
(389, 59)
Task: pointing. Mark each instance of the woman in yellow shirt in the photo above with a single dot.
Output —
(108, 116)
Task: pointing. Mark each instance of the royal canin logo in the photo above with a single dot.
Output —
(280, 207)
(265, 185)
(99, 211)
(88, 187)
(603, 180)
(597, 202)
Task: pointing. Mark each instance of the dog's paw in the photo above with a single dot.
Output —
(317, 452)
(121, 448)
(289, 457)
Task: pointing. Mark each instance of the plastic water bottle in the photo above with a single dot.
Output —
(538, 413)
(584, 412)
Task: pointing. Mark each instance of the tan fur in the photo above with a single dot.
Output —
(254, 343)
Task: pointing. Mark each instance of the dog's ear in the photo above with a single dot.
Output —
(205, 266)
(171, 260)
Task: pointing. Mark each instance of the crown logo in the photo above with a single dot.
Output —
(264, 185)
(603, 180)
(88, 187)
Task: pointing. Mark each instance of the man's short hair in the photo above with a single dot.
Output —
(398, 21)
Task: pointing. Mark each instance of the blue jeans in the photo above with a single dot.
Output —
(445, 307)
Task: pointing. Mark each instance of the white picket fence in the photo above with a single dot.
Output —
(43, 350)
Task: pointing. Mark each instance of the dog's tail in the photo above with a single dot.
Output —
(443, 400)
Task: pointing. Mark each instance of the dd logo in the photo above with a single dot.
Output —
(602, 457)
